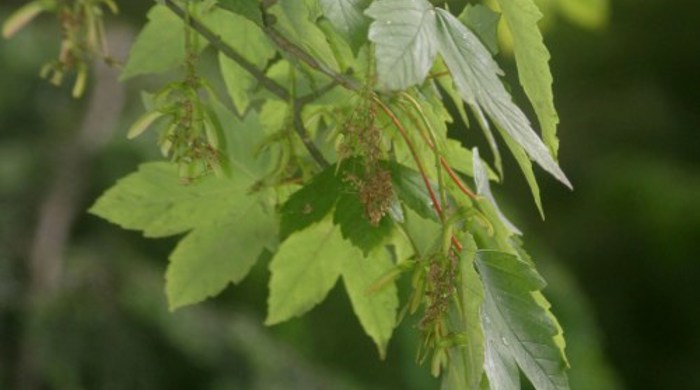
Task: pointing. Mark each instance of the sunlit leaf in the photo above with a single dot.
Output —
(375, 310)
(404, 34)
(160, 46)
(155, 201)
(256, 48)
(304, 269)
(211, 257)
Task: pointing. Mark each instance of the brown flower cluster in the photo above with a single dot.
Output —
(441, 275)
(364, 140)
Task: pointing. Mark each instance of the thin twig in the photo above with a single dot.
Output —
(304, 135)
(436, 204)
(289, 47)
(394, 119)
(216, 41)
(432, 144)
(306, 99)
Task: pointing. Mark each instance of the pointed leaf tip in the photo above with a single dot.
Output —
(476, 77)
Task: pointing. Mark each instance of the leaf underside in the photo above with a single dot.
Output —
(516, 327)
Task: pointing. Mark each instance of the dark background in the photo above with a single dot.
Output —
(81, 301)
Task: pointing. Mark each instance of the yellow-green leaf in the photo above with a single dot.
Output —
(532, 59)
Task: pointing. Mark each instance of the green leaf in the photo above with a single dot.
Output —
(404, 34)
(460, 158)
(532, 59)
(354, 225)
(296, 20)
(154, 200)
(467, 364)
(211, 257)
(304, 269)
(250, 9)
(444, 80)
(159, 47)
(526, 167)
(475, 74)
(591, 14)
(517, 327)
(484, 22)
(483, 188)
(274, 115)
(376, 311)
(311, 203)
(256, 48)
(411, 190)
(244, 137)
(348, 20)
(447, 84)
(501, 369)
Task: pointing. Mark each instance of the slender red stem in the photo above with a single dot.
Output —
(414, 153)
(419, 164)
(457, 180)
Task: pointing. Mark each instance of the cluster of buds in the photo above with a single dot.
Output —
(192, 134)
(362, 139)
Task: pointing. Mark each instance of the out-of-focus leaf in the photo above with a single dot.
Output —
(591, 14)
(24, 15)
(404, 34)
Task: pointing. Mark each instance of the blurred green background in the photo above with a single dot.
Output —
(82, 303)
